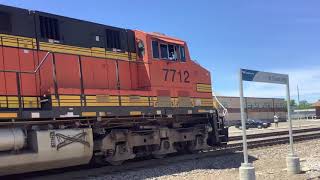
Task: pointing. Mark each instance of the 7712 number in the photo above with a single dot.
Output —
(170, 75)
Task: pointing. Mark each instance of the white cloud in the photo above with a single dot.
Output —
(308, 80)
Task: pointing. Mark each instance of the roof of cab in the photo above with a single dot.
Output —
(164, 37)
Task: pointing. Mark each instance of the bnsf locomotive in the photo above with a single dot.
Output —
(73, 91)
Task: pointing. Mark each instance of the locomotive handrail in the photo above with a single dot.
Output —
(26, 72)
(30, 72)
(42, 61)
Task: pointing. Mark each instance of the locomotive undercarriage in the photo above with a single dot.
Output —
(40, 145)
(120, 145)
(159, 137)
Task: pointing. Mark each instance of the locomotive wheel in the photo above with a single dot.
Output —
(190, 147)
(193, 145)
(115, 163)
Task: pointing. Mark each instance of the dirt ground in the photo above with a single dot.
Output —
(269, 163)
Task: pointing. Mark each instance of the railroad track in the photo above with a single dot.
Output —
(235, 144)
(277, 133)
(274, 138)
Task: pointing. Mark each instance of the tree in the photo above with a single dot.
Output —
(293, 103)
(304, 105)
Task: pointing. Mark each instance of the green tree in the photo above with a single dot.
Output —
(304, 105)
(293, 104)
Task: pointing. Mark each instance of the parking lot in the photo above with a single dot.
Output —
(297, 124)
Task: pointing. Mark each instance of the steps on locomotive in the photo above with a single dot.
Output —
(222, 131)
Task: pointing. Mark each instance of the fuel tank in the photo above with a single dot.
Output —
(45, 149)
(12, 139)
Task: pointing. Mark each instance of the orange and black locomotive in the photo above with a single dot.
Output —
(72, 91)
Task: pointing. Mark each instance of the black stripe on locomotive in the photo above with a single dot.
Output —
(64, 30)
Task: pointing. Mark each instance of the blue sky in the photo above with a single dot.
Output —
(223, 36)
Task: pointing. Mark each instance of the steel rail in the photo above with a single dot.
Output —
(277, 133)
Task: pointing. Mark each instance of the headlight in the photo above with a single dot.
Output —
(264, 123)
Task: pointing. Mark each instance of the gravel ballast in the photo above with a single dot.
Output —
(269, 163)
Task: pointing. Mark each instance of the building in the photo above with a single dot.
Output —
(255, 108)
(304, 113)
(317, 107)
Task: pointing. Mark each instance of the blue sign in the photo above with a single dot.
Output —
(266, 77)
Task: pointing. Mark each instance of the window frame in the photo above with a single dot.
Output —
(174, 52)
(158, 47)
(167, 58)
(184, 59)
(176, 48)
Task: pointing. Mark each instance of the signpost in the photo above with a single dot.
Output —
(246, 170)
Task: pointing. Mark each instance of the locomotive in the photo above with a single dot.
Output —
(73, 92)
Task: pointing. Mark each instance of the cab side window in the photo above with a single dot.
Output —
(182, 54)
(172, 53)
(155, 49)
(164, 51)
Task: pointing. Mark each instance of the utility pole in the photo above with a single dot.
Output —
(298, 95)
